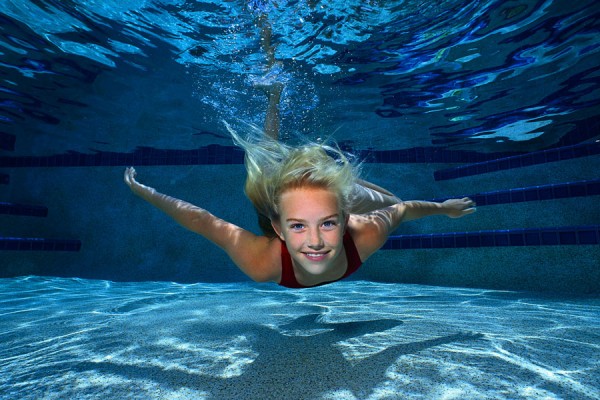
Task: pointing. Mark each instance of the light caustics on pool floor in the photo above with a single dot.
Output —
(73, 338)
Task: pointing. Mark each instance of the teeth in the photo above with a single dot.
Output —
(314, 255)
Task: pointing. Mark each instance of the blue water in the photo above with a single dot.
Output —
(481, 75)
(114, 77)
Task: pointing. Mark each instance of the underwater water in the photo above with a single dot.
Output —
(488, 76)
(417, 87)
(75, 338)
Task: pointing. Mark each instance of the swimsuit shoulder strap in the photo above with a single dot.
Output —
(354, 261)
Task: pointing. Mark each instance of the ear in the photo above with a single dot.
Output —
(277, 228)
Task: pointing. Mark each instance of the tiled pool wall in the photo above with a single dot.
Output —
(537, 225)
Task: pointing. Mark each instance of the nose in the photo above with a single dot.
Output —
(315, 241)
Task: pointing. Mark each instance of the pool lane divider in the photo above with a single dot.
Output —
(39, 244)
(556, 236)
(23, 210)
(561, 236)
(534, 193)
(230, 155)
(519, 161)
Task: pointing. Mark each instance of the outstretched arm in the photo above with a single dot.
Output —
(370, 231)
(250, 252)
(453, 208)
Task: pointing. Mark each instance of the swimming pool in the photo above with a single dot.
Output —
(495, 100)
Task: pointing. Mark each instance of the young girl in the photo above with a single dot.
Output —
(319, 221)
(309, 197)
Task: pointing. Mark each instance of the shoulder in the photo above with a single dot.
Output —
(260, 260)
(370, 231)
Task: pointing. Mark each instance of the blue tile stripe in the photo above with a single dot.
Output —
(214, 154)
(4, 179)
(428, 155)
(23, 209)
(519, 161)
(535, 193)
(39, 244)
(143, 156)
(577, 235)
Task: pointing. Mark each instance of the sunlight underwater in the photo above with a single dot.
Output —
(67, 338)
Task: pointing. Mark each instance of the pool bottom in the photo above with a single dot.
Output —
(73, 338)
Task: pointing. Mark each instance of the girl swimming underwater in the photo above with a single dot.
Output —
(320, 223)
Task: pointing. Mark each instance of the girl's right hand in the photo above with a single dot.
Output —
(133, 184)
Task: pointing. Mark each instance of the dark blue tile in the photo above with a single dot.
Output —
(501, 238)
(504, 163)
(492, 198)
(527, 160)
(593, 189)
(517, 239)
(532, 238)
(493, 167)
(532, 194)
(415, 242)
(437, 242)
(460, 240)
(515, 162)
(481, 168)
(550, 237)
(552, 155)
(24, 245)
(566, 153)
(473, 240)
(448, 241)
(560, 191)
(487, 239)
(545, 193)
(426, 242)
(577, 189)
(503, 197)
(11, 244)
(586, 236)
(539, 157)
(517, 195)
(568, 237)
(37, 245)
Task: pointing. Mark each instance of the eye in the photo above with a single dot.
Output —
(296, 227)
(329, 224)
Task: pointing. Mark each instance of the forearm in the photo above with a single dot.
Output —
(419, 209)
(184, 213)
(453, 208)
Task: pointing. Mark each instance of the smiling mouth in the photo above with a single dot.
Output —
(315, 256)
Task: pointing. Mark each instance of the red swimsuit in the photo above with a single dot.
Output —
(288, 279)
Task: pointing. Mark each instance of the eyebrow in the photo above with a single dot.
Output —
(332, 216)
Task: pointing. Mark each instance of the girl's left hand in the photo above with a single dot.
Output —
(456, 208)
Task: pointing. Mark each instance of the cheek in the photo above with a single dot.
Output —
(334, 238)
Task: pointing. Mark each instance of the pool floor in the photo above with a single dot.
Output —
(73, 338)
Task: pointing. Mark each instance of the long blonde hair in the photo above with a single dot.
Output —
(274, 167)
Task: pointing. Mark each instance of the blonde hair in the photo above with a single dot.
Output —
(274, 167)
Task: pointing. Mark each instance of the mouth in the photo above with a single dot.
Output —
(316, 256)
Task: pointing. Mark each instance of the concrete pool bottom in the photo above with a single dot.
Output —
(73, 338)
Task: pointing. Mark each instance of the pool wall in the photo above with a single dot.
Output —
(541, 238)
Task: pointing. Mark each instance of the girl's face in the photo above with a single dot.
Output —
(312, 225)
